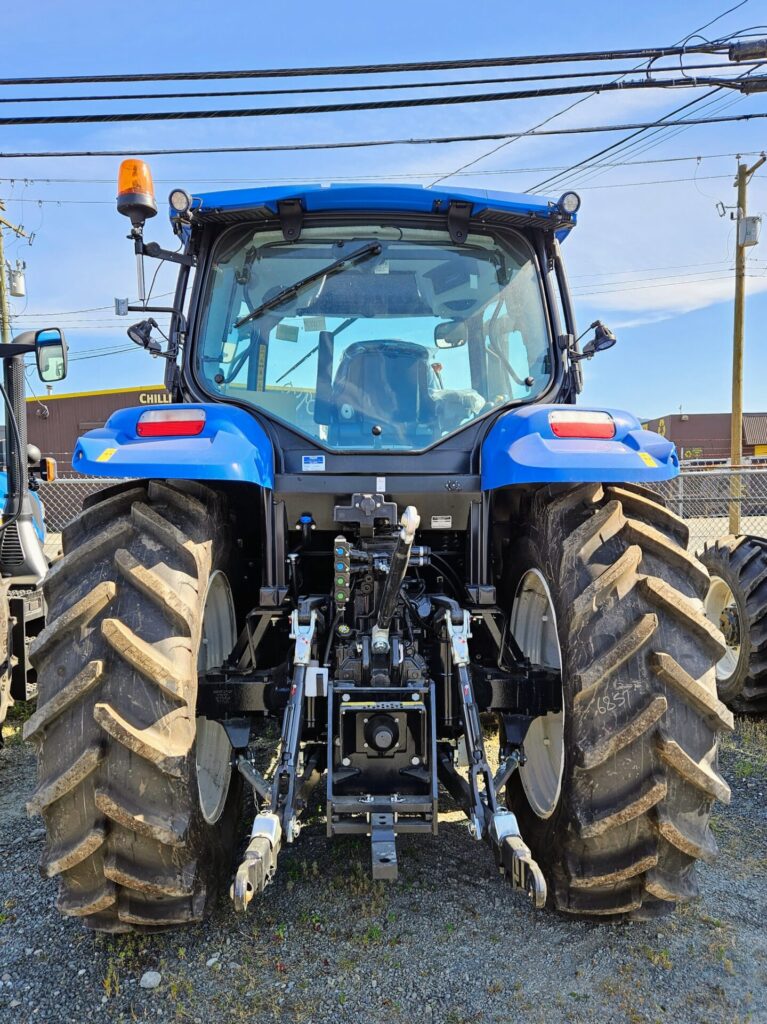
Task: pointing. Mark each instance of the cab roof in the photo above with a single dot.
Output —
(486, 205)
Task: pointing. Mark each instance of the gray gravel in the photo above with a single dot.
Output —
(449, 942)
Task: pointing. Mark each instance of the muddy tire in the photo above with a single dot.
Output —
(617, 810)
(737, 603)
(5, 661)
(117, 736)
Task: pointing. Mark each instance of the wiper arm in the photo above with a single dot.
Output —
(371, 249)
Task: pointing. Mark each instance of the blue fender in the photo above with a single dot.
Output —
(232, 446)
(521, 448)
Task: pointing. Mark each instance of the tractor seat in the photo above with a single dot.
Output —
(385, 383)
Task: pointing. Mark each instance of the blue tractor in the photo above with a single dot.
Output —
(375, 514)
(23, 562)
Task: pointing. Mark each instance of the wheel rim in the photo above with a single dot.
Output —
(213, 751)
(722, 610)
(534, 627)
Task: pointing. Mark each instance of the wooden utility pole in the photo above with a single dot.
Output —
(5, 313)
(745, 174)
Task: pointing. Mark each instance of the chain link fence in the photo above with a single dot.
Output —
(63, 498)
(700, 496)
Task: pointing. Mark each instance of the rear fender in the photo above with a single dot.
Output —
(521, 448)
(232, 446)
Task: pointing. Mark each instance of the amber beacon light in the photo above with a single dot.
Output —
(135, 192)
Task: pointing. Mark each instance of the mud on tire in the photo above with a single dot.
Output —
(741, 562)
(641, 711)
(115, 724)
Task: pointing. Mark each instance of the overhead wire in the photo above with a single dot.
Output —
(583, 99)
(653, 137)
(557, 180)
(609, 278)
(387, 177)
(368, 143)
(363, 178)
(369, 87)
(626, 145)
(643, 287)
(371, 69)
(133, 116)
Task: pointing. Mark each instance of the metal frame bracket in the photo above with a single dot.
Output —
(458, 216)
(291, 216)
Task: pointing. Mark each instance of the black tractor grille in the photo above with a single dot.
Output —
(11, 554)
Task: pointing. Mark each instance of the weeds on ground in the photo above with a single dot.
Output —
(748, 747)
(13, 727)
(124, 956)
(658, 957)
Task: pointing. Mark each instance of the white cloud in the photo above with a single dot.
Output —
(668, 300)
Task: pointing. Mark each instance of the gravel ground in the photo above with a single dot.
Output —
(449, 942)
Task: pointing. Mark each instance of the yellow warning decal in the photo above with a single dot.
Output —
(648, 460)
(106, 455)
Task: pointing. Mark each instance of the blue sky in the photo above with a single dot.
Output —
(652, 260)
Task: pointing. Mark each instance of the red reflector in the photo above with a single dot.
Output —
(582, 424)
(170, 423)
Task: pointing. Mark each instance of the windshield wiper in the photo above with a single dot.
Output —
(371, 249)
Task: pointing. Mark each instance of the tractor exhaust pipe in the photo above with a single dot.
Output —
(400, 559)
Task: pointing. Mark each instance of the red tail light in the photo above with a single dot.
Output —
(171, 423)
(574, 423)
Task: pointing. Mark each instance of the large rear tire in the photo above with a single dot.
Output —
(134, 790)
(616, 796)
(737, 604)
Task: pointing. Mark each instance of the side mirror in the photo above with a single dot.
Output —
(602, 340)
(452, 334)
(51, 355)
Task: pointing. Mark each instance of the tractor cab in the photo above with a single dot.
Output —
(385, 338)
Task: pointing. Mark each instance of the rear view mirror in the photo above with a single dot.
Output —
(452, 334)
(51, 355)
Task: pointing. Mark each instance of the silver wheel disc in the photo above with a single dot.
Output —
(534, 627)
(722, 610)
(213, 750)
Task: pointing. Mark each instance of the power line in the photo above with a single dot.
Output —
(643, 287)
(372, 69)
(399, 104)
(387, 177)
(90, 309)
(363, 144)
(642, 143)
(649, 270)
(370, 87)
(661, 123)
(584, 99)
(428, 174)
(670, 278)
(611, 281)
(683, 42)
